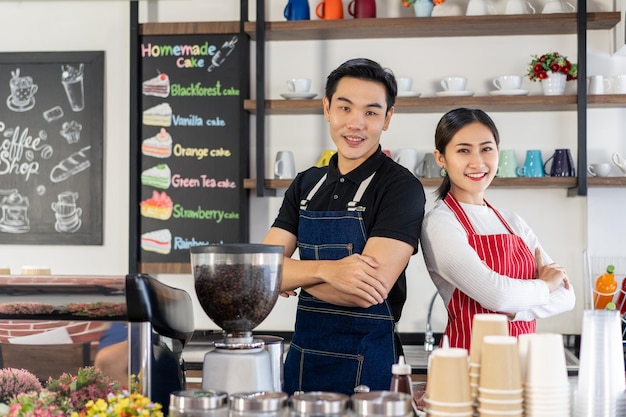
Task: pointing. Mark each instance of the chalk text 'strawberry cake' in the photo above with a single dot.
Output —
(159, 241)
(159, 176)
(158, 86)
(158, 146)
(159, 115)
(159, 206)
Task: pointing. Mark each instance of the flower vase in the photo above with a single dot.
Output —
(554, 85)
(423, 8)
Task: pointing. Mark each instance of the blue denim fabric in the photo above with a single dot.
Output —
(337, 348)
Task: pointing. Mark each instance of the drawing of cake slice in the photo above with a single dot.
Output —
(158, 176)
(158, 86)
(159, 115)
(158, 146)
(159, 206)
(159, 241)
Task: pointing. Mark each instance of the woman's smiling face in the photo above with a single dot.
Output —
(471, 159)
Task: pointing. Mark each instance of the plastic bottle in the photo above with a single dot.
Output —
(605, 288)
(401, 377)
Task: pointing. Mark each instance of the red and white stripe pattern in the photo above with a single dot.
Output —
(506, 255)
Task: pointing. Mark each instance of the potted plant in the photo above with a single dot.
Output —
(422, 8)
(553, 70)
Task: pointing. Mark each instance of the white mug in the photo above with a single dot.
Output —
(404, 83)
(454, 83)
(519, 7)
(299, 85)
(284, 167)
(598, 84)
(407, 158)
(619, 162)
(508, 82)
(619, 84)
(599, 170)
(558, 6)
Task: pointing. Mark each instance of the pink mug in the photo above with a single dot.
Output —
(362, 9)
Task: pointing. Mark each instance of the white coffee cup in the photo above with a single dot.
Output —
(598, 84)
(619, 84)
(299, 85)
(407, 158)
(284, 166)
(508, 82)
(404, 83)
(454, 83)
(599, 170)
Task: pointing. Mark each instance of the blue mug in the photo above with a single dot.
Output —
(297, 10)
(533, 165)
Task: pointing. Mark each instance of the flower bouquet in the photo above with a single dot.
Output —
(74, 391)
(15, 381)
(89, 393)
(553, 70)
(123, 404)
(540, 67)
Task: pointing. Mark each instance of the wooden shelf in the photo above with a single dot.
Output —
(443, 104)
(441, 26)
(606, 181)
(545, 182)
(188, 28)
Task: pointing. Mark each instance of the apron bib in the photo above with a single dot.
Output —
(506, 254)
(336, 348)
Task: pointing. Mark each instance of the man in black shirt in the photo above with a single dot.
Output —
(356, 224)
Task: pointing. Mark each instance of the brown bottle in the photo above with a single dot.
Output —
(401, 377)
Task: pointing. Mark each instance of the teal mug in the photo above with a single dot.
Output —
(507, 167)
(533, 165)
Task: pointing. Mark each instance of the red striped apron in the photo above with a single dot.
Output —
(506, 254)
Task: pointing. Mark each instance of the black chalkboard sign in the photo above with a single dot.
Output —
(51, 109)
(191, 183)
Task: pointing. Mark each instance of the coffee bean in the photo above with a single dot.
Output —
(237, 297)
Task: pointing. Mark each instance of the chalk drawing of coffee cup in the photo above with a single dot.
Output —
(23, 91)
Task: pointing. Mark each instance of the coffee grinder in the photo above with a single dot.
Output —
(237, 286)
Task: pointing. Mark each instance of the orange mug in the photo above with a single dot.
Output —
(329, 9)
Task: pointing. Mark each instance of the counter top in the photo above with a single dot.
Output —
(193, 354)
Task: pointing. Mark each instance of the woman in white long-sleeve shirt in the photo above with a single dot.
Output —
(484, 260)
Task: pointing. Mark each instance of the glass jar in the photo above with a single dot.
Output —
(198, 403)
(319, 403)
(382, 403)
(258, 404)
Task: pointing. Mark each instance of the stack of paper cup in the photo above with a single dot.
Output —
(601, 373)
(447, 384)
(483, 325)
(546, 387)
(500, 387)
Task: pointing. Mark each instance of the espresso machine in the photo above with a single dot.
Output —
(237, 286)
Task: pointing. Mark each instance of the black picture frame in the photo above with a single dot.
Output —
(51, 148)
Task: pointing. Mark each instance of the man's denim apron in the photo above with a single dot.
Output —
(337, 348)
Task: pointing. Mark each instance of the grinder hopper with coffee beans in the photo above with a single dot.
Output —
(237, 286)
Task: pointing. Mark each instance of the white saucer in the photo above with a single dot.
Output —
(463, 93)
(518, 92)
(25, 107)
(408, 94)
(290, 96)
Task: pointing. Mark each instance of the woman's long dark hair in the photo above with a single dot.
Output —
(448, 126)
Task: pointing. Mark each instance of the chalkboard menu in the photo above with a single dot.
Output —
(191, 183)
(51, 109)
